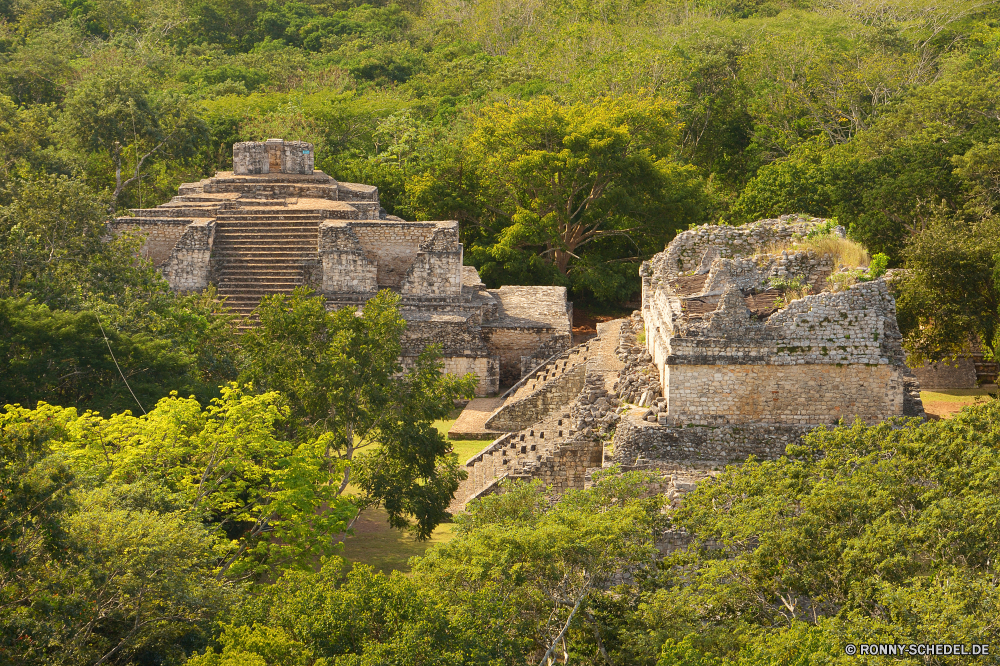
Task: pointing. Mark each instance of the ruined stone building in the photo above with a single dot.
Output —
(730, 356)
(275, 223)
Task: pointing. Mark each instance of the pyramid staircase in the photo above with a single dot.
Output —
(262, 249)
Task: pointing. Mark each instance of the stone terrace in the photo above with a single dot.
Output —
(274, 223)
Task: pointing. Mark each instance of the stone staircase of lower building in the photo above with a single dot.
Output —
(260, 251)
(535, 452)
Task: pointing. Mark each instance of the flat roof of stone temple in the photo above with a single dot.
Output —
(531, 307)
(230, 177)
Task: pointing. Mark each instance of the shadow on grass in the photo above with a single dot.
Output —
(385, 548)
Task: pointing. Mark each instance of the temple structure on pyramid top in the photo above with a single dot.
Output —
(275, 223)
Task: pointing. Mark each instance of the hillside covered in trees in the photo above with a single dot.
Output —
(571, 139)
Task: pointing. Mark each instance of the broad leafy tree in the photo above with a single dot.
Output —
(564, 189)
(341, 375)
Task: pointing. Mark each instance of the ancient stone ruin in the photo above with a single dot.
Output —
(723, 361)
(275, 223)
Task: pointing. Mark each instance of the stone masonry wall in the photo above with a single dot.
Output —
(346, 265)
(637, 440)
(789, 394)
(161, 235)
(957, 374)
(250, 157)
(555, 394)
(297, 157)
(688, 249)
(393, 247)
(484, 368)
(511, 344)
(853, 326)
(272, 156)
(822, 350)
(437, 267)
(187, 269)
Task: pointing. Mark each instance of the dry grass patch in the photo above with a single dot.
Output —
(845, 252)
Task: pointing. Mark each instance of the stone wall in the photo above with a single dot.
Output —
(346, 265)
(821, 358)
(512, 344)
(566, 466)
(554, 394)
(638, 441)
(273, 156)
(437, 267)
(187, 269)
(957, 374)
(460, 340)
(393, 247)
(249, 158)
(484, 367)
(687, 252)
(161, 235)
(789, 394)
(527, 318)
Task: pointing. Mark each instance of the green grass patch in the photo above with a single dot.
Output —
(388, 549)
(385, 548)
(967, 396)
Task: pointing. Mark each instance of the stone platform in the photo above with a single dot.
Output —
(471, 423)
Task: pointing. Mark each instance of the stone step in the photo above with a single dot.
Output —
(258, 274)
(248, 294)
(288, 252)
(298, 248)
(282, 243)
(260, 239)
(223, 262)
(268, 233)
(255, 280)
(242, 216)
(268, 223)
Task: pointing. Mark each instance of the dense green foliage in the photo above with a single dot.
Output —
(863, 534)
(572, 139)
(341, 377)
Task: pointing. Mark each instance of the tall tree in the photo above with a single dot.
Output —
(120, 117)
(346, 389)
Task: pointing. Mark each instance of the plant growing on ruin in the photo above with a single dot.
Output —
(792, 290)
(346, 390)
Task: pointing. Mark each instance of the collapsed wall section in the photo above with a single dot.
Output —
(822, 358)
(346, 265)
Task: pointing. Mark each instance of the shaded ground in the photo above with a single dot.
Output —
(388, 549)
(946, 403)
(385, 548)
(585, 322)
(471, 423)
